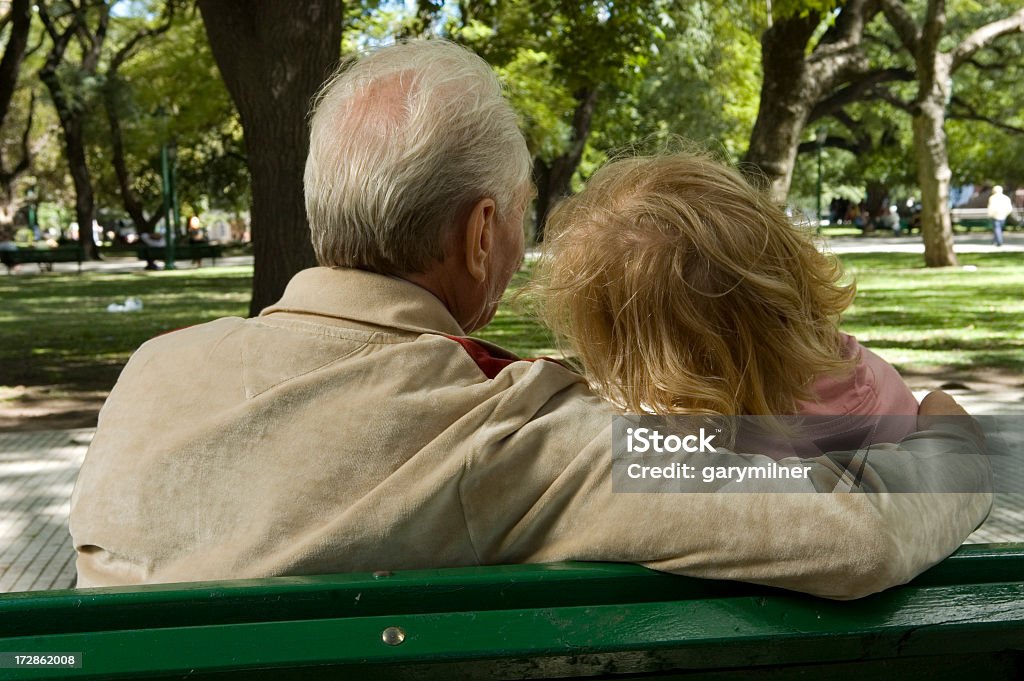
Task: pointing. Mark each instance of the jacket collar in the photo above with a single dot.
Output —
(366, 297)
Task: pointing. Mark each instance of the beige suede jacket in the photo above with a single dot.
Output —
(350, 427)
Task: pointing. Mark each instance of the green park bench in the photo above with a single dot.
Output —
(184, 251)
(971, 218)
(42, 256)
(963, 619)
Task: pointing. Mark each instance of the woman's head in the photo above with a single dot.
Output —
(684, 289)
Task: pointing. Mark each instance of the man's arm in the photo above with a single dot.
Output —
(542, 492)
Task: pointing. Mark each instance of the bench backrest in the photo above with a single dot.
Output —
(531, 621)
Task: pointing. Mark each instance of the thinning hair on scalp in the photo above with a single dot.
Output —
(403, 141)
(682, 288)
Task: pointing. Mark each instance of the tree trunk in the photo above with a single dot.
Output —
(129, 200)
(72, 114)
(798, 82)
(74, 146)
(10, 65)
(554, 180)
(933, 175)
(85, 209)
(274, 56)
(786, 101)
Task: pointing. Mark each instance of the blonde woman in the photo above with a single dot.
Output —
(683, 289)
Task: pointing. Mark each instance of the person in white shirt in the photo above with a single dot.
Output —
(999, 208)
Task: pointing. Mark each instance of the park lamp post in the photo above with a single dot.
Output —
(166, 159)
(820, 135)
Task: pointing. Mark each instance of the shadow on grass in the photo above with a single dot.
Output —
(57, 330)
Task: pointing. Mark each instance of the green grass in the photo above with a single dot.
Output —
(55, 330)
(921, 318)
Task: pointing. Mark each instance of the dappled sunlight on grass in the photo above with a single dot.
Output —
(55, 328)
(971, 316)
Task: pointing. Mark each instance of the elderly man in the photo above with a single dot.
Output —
(354, 425)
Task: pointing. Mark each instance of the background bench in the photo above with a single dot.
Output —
(44, 257)
(182, 252)
(964, 619)
(969, 218)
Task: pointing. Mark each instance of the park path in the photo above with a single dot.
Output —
(972, 242)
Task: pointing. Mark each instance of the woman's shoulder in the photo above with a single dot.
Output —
(873, 386)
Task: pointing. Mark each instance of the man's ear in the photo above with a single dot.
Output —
(480, 237)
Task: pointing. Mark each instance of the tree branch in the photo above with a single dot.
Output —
(985, 35)
(858, 90)
(969, 113)
(903, 23)
(60, 40)
(933, 28)
(127, 50)
(848, 29)
(14, 53)
(91, 59)
(982, 66)
(887, 96)
(857, 129)
(833, 142)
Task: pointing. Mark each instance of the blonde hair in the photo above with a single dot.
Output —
(681, 288)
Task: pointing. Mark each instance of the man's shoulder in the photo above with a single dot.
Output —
(198, 334)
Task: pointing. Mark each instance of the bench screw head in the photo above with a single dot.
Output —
(393, 636)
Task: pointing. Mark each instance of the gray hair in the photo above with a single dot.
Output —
(403, 141)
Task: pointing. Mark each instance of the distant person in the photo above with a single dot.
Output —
(7, 243)
(682, 289)
(999, 208)
(196, 235)
(151, 240)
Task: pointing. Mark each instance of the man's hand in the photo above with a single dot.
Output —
(937, 406)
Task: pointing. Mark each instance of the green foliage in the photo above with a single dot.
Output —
(703, 83)
(802, 8)
(172, 91)
(549, 52)
(542, 104)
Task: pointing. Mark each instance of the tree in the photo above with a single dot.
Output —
(935, 68)
(590, 52)
(803, 68)
(132, 204)
(273, 57)
(67, 87)
(19, 17)
(166, 89)
(701, 85)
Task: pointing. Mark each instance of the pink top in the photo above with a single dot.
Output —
(870, 406)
